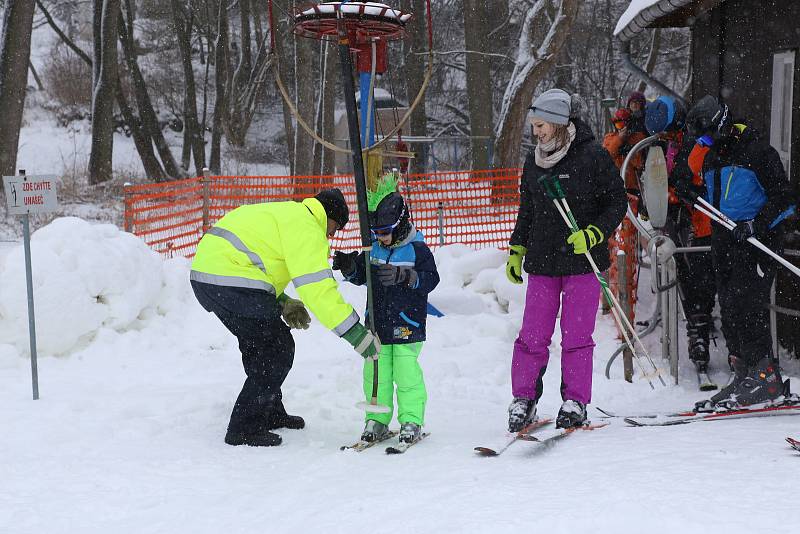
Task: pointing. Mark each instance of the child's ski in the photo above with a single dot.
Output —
(362, 445)
(794, 443)
(539, 423)
(402, 447)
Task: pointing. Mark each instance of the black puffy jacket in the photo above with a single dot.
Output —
(594, 190)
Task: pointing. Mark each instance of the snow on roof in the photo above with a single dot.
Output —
(355, 8)
(641, 13)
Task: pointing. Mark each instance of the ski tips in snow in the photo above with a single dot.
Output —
(795, 444)
(487, 451)
(402, 447)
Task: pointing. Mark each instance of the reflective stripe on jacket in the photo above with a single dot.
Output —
(266, 246)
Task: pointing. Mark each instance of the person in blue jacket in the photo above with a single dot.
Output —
(743, 177)
(405, 272)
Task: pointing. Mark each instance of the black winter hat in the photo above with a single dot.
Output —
(335, 206)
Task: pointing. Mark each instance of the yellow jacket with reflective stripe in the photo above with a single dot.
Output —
(265, 246)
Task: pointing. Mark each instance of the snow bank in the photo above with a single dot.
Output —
(85, 277)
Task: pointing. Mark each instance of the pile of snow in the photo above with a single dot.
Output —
(85, 278)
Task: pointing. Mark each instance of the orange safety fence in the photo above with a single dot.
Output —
(475, 208)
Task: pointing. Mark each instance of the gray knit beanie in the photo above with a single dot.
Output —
(552, 106)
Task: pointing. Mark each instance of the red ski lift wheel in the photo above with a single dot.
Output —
(365, 21)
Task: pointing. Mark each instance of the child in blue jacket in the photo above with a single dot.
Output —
(403, 272)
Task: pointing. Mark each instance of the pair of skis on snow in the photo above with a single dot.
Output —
(795, 444)
(527, 434)
(788, 405)
(400, 448)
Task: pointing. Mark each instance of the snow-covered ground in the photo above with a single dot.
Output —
(127, 435)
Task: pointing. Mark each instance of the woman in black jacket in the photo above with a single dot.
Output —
(559, 275)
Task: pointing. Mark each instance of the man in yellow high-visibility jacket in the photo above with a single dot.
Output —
(240, 271)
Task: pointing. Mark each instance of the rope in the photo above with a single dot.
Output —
(327, 144)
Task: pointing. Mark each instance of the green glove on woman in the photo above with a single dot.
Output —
(514, 264)
(584, 240)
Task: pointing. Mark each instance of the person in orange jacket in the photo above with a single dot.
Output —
(619, 143)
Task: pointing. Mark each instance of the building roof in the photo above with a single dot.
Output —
(643, 14)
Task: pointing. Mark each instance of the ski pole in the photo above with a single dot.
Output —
(705, 207)
(553, 190)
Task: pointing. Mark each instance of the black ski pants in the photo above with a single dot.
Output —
(744, 277)
(695, 273)
(266, 344)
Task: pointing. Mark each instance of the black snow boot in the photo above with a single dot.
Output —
(521, 413)
(280, 419)
(571, 414)
(249, 424)
(259, 437)
(750, 385)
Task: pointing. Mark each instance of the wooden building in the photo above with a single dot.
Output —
(745, 52)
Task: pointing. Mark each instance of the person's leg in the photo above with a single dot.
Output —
(699, 289)
(267, 349)
(580, 299)
(385, 383)
(411, 393)
(531, 349)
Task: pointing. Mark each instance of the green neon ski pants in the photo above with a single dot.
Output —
(397, 364)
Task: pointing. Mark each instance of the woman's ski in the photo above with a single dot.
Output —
(521, 435)
(794, 443)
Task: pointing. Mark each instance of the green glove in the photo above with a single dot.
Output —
(365, 343)
(584, 240)
(294, 313)
(514, 263)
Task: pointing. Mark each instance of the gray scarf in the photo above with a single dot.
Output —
(548, 154)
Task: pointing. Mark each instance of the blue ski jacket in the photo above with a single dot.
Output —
(400, 311)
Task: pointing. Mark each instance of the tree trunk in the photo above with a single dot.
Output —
(221, 75)
(104, 88)
(541, 38)
(326, 164)
(142, 141)
(14, 57)
(146, 112)
(287, 75)
(652, 57)
(192, 136)
(306, 105)
(479, 86)
(417, 45)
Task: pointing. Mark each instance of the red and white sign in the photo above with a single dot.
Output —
(30, 194)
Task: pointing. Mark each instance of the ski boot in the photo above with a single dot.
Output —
(521, 413)
(409, 432)
(697, 331)
(760, 384)
(374, 431)
(571, 414)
